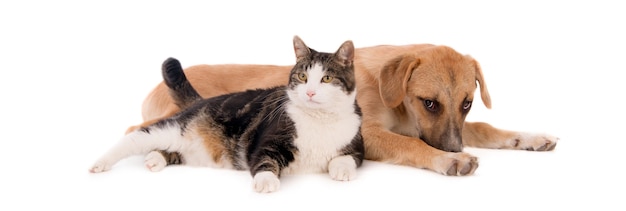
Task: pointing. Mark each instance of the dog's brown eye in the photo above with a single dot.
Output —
(467, 105)
(430, 105)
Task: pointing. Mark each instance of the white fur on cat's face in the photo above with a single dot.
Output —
(315, 94)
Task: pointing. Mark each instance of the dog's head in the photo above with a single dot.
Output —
(436, 87)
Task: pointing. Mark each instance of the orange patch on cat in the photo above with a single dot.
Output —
(213, 141)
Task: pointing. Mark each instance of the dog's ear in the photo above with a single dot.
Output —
(394, 77)
(484, 93)
(300, 48)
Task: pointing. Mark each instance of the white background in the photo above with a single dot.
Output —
(74, 75)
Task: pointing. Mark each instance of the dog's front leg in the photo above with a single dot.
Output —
(386, 146)
(483, 135)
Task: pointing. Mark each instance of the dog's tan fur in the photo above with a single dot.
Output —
(393, 84)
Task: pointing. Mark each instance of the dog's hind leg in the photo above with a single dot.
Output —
(483, 135)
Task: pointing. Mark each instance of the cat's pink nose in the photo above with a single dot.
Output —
(310, 93)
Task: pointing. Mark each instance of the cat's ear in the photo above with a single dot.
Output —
(300, 48)
(345, 53)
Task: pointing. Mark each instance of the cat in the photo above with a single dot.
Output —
(310, 125)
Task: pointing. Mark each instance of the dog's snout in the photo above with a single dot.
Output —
(448, 139)
(452, 140)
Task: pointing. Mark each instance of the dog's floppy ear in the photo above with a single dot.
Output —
(394, 77)
(484, 93)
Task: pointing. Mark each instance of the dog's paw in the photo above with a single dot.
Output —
(155, 161)
(100, 166)
(266, 182)
(534, 142)
(342, 168)
(455, 164)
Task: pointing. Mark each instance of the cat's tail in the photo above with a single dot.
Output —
(179, 87)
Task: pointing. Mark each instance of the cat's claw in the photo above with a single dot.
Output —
(155, 161)
(342, 168)
(266, 182)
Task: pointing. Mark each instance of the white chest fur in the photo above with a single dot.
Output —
(320, 137)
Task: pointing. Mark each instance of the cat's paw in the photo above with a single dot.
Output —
(266, 182)
(342, 168)
(155, 161)
(100, 166)
(534, 142)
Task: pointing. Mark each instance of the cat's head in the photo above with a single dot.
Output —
(322, 80)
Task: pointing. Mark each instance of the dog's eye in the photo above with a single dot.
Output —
(430, 105)
(467, 105)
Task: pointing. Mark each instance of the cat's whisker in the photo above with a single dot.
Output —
(278, 109)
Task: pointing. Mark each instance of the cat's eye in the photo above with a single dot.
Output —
(327, 79)
(302, 77)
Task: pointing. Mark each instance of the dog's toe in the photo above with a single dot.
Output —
(470, 167)
(548, 146)
(542, 148)
(457, 164)
(452, 169)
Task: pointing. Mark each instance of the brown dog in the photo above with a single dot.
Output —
(414, 100)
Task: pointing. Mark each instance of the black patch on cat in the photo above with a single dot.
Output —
(253, 121)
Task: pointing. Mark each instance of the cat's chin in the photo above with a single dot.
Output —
(311, 104)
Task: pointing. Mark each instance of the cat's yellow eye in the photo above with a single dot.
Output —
(327, 79)
(302, 76)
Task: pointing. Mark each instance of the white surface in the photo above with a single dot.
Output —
(75, 74)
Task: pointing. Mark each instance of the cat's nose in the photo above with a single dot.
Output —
(310, 93)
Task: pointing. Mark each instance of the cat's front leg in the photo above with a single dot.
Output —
(342, 168)
(267, 163)
(266, 182)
